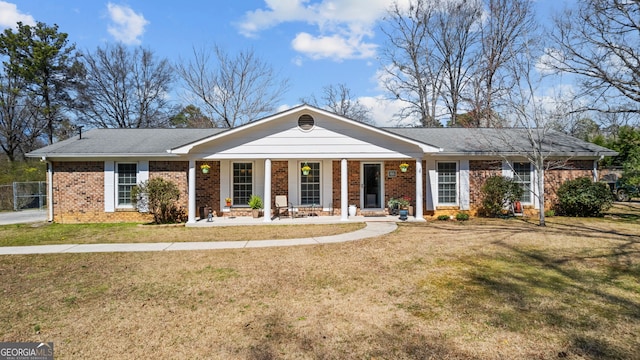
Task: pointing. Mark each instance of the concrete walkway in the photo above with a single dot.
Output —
(373, 229)
(22, 217)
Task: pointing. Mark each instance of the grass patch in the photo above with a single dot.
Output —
(492, 289)
(26, 234)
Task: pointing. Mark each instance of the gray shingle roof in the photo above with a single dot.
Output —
(123, 142)
(453, 141)
(488, 141)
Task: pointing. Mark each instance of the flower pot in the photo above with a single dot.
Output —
(228, 203)
(403, 214)
(305, 172)
(205, 170)
(352, 210)
(255, 213)
(404, 168)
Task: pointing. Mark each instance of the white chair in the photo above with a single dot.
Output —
(282, 203)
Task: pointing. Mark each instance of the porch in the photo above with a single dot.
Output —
(317, 220)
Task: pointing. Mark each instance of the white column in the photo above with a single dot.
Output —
(267, 190)
(419, 191)
(192, 192)
(344, 191)
(50, 190)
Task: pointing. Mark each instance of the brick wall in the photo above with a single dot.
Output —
(570, 170)
(279, 180)
(479, 172)
(176, 172)
(207, 188)
(404, 184)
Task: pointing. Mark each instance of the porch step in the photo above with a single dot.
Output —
(372, 213)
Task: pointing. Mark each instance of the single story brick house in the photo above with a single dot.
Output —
(91, 175)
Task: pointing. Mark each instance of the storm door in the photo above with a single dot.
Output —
(371, 186)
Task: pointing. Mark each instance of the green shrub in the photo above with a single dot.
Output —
(158, 196)
(498, 192)
(550, 213)
(583, 197)
(443, 217)
(462, 216)
(255, 202)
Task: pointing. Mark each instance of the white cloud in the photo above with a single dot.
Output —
(341, 25)
(10, 15)
(128, 26)
(333, 47)
(383, 111)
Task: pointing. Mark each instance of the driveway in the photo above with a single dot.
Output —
(22, 217)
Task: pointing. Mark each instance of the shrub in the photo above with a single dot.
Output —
(550, 213)
(462, 216)
(158, 196)
(499, 192)
(255, 202)
(443, 217)
(583, 197)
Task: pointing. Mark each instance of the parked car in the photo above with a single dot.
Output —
(623, 188)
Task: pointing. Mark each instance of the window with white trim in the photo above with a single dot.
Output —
(310, 185)
(242, 183)
(447, 183)
(127, 178)
(522, 177)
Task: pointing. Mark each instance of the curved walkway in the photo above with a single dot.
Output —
(372, 229)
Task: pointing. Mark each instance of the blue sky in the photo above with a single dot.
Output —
(312, 42)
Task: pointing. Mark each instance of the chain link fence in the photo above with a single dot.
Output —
(23, 195)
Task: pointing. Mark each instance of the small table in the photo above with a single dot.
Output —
(306, 210)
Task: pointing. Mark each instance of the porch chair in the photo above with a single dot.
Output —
(282, 203)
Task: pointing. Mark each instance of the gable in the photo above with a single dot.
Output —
(306, 132)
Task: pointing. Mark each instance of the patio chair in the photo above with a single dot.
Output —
(282, 203)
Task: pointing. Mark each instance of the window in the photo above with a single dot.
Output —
(447, 183)
(310, 185)
(522, 176)
(127, 179)
(242, 183)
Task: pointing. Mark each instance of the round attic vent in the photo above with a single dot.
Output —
(306, 122)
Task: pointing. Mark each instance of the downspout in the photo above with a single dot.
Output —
(49, 188)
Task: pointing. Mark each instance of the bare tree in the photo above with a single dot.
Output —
(505, 27)
(599, 41)
(455, 35)
(125, 88)
(537, 117)
(232, 90)
(20, 125)
(338, 99)
(411, 72)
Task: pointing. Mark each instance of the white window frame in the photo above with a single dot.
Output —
(118, 205)
(300, 176)
(531, 183)
(457, 185)
(232, 185)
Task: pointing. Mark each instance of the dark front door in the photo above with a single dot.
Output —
(371, 186)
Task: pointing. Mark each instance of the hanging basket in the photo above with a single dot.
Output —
(404, 167)
(205, 170)
(305, 169)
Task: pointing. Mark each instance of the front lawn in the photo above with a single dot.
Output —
(483, 289)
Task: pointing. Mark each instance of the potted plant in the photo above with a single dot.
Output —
(255, 203)
(392, 204)
(403, 204)
(404, 167)
(205, 168)
(228, 201)
(305, 169)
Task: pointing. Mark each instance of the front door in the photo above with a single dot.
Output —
(372, 186)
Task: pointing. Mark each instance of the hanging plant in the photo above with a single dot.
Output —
(404, 167)
(205, 168)
(305, 169)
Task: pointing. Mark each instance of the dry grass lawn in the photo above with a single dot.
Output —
(483, 289)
